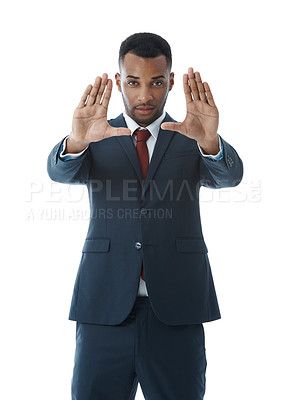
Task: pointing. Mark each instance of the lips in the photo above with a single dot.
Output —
(144, 109)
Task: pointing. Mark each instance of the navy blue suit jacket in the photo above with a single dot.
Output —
(157, 223)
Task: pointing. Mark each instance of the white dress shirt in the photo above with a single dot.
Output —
(151, 141)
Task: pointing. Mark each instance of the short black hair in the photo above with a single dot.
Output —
(146, 45)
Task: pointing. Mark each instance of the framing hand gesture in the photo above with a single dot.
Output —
(202, 119)
(90, 117)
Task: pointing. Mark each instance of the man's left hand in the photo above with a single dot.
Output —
(202, 118)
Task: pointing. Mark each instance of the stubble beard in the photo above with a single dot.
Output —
(143, 121)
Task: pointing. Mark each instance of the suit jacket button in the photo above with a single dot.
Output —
(138, 245)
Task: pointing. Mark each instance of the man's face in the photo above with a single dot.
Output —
(144, 84)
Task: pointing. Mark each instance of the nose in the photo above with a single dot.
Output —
(144, 95)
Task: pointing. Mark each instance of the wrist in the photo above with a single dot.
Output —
(210, 146)
(74, 146)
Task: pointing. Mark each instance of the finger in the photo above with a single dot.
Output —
(94, 91)
(192, 83)
(209, 95)
(102, 88)
(200, 87)
(187, 90)
(172, 126)
(107, 94)
(84, 96)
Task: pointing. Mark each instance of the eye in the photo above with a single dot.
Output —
(132, 83)
(158, 83)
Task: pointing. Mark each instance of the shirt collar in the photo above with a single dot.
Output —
(153, 128)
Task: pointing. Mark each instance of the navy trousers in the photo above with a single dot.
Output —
(169, 362)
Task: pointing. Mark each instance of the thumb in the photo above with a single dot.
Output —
(171, 126)
(119, 132)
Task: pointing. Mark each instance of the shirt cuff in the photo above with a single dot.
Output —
(216, 157)
(69, 156)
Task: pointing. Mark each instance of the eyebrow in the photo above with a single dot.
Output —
(153, 77)
(158, 77)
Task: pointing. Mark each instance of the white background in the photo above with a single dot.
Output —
(50, 52)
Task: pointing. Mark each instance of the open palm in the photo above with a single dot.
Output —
(202, 116)
(90, 117)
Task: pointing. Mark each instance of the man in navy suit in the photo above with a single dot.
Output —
(144, 285)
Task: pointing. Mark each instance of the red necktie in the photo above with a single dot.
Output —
(143, 156)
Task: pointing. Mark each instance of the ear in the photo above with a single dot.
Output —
(171, 84)
(118, 81)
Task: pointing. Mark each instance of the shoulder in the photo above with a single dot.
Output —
(168, 118)
(118, 122)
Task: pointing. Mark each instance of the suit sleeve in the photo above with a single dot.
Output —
(226, 172)
(72, 171)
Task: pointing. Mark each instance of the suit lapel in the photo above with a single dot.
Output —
(162, 142)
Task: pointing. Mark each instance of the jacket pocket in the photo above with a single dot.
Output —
(187, 245)
(99, 245)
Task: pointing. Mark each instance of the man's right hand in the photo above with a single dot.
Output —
(90, 117)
